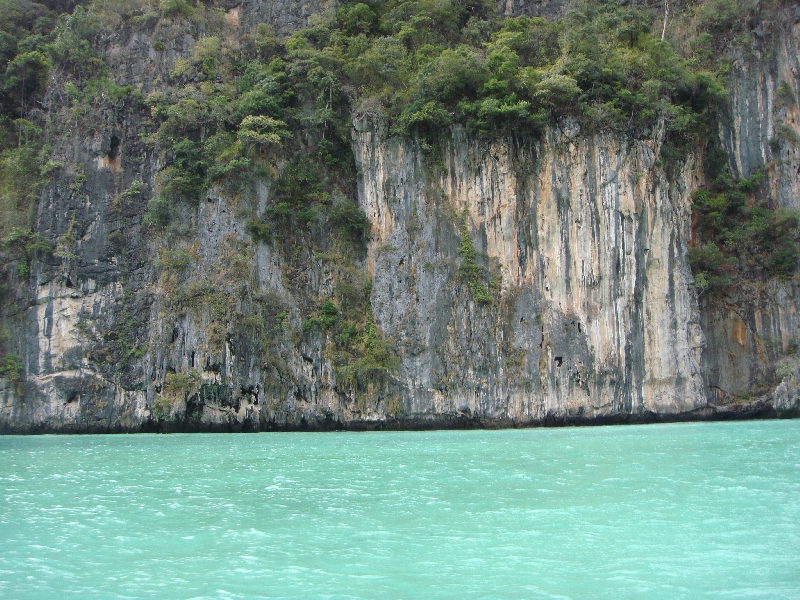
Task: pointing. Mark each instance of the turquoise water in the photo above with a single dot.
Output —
(705, 510)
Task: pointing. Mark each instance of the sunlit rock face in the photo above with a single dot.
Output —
(591, 309)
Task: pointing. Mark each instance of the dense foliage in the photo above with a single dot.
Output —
(741, 243)
(425, 65)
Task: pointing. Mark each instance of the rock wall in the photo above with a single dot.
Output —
(592, 310)
(527, 281)
(752, 333)
(581, 243)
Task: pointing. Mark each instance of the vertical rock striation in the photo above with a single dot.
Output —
(592, 310)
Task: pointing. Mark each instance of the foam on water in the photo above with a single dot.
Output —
(673, 511)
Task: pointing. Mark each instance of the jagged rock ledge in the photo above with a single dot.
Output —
(782, 403)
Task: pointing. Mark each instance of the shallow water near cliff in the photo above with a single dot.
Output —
(659, 511)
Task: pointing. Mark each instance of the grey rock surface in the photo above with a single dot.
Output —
(591, 316)
(750, 334)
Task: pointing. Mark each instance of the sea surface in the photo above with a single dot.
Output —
(703, 510)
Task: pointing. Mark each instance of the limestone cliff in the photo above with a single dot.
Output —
(520, 281)
(592, 310)
(752, 332)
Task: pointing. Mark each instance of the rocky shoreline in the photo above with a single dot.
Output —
(762, 408)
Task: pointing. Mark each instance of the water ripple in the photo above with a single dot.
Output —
(677, 511)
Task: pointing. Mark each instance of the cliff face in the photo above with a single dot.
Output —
(591, 308)
(751, 333)
(522, 281)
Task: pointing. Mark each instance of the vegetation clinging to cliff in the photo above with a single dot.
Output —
(422, 64)
(427, 65)
(741, 243)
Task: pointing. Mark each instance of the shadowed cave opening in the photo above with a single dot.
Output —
(113, 152)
